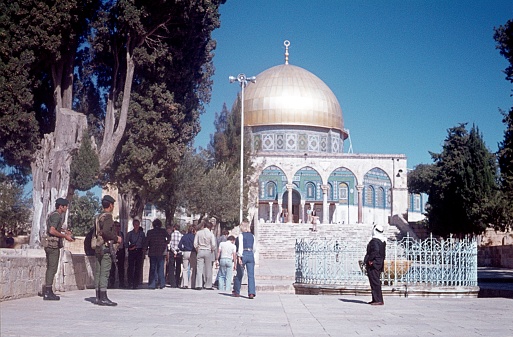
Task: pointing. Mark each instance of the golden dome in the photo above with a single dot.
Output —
(290, 95)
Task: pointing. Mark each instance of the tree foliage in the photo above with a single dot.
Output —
(421, 178)
(173, 83)
(85, 167)
(224, 153)
(216, 195)
(184, 185)
(82, 212)
(60, 57)
(464, 186)
(38, 45)
(14, 206)
(224, 146)
(504, 38)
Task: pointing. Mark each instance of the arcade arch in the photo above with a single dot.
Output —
(376, 196)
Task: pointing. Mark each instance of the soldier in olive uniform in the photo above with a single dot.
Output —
(54, 228)
(103, 257)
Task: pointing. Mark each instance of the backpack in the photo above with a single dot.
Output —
(97, 239)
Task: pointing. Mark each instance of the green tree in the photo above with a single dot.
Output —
(85, 167)
(224, 146)
(504, 38)
(97, 48)
(224, 149)
(216, 195)
(173, 84)
(464, 184)
(181, 189)
(421, 178)
(14, 206)
(82, 212)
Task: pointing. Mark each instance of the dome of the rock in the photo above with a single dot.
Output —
(288, 95)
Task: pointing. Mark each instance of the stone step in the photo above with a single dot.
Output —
(275, 277)
(274, 287)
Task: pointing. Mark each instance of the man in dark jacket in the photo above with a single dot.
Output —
(374, 262)
(156, 243)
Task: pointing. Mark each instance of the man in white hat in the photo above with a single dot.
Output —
(374, 262)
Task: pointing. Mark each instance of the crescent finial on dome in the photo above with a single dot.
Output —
(286, 43)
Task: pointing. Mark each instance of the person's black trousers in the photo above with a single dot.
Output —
(375, 283)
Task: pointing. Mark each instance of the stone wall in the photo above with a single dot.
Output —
(495, 256)
(23, 272)
(495, 249)
(492, 237)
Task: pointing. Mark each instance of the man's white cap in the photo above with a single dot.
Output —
(379, 228)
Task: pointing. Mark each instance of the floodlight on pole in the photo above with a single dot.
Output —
(243, 81)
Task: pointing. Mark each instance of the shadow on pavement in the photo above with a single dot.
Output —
(352, 301)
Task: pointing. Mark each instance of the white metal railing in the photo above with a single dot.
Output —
(433, 262)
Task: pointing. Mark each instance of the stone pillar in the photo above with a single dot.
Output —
(289, 205)
(360, 203)
(302, 211)
(312, 207)
(271, 211)
(325, 206)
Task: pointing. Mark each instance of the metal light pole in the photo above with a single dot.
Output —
(243, 81)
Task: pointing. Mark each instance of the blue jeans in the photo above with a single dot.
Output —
(225, 273)
(248, 261)
(156, 277)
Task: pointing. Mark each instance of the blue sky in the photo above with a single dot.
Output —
(403, 71)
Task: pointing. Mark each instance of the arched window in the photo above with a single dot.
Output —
(270, 190)
(343, 193)
(369, 196)
(380, 197)
(310, 190)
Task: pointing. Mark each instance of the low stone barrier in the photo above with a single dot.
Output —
(495, 256)
(23, 272)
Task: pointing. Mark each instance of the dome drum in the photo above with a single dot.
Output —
(296, 139)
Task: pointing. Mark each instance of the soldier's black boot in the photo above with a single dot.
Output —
(49, 295)
(97, 299)
(104, 300)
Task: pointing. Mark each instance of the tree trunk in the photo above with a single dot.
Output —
(112, 134)
(51, 167)
(130, 206)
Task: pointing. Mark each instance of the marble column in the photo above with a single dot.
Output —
(325, 206)
(303, 211)
(289, 206)
(360, 203)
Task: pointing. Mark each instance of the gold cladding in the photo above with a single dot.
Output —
(290, 95)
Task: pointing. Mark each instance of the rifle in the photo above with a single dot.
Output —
(112, 252)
